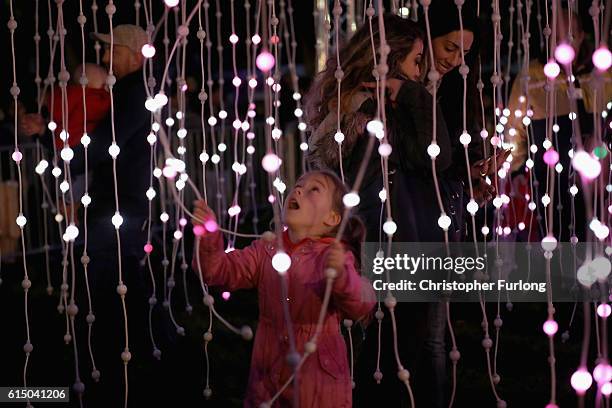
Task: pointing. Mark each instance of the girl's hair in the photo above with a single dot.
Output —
(358, 63)
(354, 231)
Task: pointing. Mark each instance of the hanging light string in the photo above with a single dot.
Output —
(472, 208)
(117, 219)
(290, 38)
(42, 164)
(339, 74)
(212, 120)
(202, 96)
(21, 219)
(159, 102)
(222, 115)
(150, 193)
(238, 167)
(86, 200)
(379, 314)
(251, 52)
(97, 46)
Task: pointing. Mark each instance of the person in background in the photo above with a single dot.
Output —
(528, 95)
(97, 100)
(131, 125)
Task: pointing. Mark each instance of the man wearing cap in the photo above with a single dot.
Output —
(131, 125)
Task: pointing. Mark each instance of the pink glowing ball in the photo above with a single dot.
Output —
(551, 157)
(606, 389)
(552, 69)
(148, 51)
(182, 222)
(581, 381)
(550, 327)
(265, 61)
(211, 226)
(148, 248)
(564, 53)
(602, 58)
(198, 230)
(551, 405)
(604, 310)
(271, 199)
(226, 295)
(17, 156)
(602, 373)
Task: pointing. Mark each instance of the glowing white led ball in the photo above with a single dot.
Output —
(549, 243)
(351, 199)
(433, 150)
(601, 267)
(71, 233)
(472, 207)
(151, 193)
(114, 150)
(444, 222)
(271, 162)
(581, 381)
(67, 154)
(41, 167)
(465, 138)
(148, 51)
(384, 149)
(389, 227)
(21, 221)
(234, 210)
(86, 200)
(339, 137)
(375, 127)
(117, 220)
(281, 262)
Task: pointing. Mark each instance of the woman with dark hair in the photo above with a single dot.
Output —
(415, 209)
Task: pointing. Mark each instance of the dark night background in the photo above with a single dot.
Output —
(178, 378)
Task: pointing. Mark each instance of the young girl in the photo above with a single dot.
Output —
(312, 213)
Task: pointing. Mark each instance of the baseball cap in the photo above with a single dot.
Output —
(129, 35)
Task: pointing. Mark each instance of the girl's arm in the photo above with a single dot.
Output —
(351, 294)
(238, 269)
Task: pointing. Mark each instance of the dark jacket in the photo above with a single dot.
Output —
(132, 125)
(415, 207)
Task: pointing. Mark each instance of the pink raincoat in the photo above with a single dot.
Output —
(324, 379)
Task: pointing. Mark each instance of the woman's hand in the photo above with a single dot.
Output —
(336, 257)
(393, 85)
(32, 124)
(202, 213)
(486, 167)
(483, 193)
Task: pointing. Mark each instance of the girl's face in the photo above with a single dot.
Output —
(309, 207)
(447, 50)
(410, 66)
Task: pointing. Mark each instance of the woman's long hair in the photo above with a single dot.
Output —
(357, 63)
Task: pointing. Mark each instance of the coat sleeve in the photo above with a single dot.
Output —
(352, 294)
(414, 131)
(238, 269)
